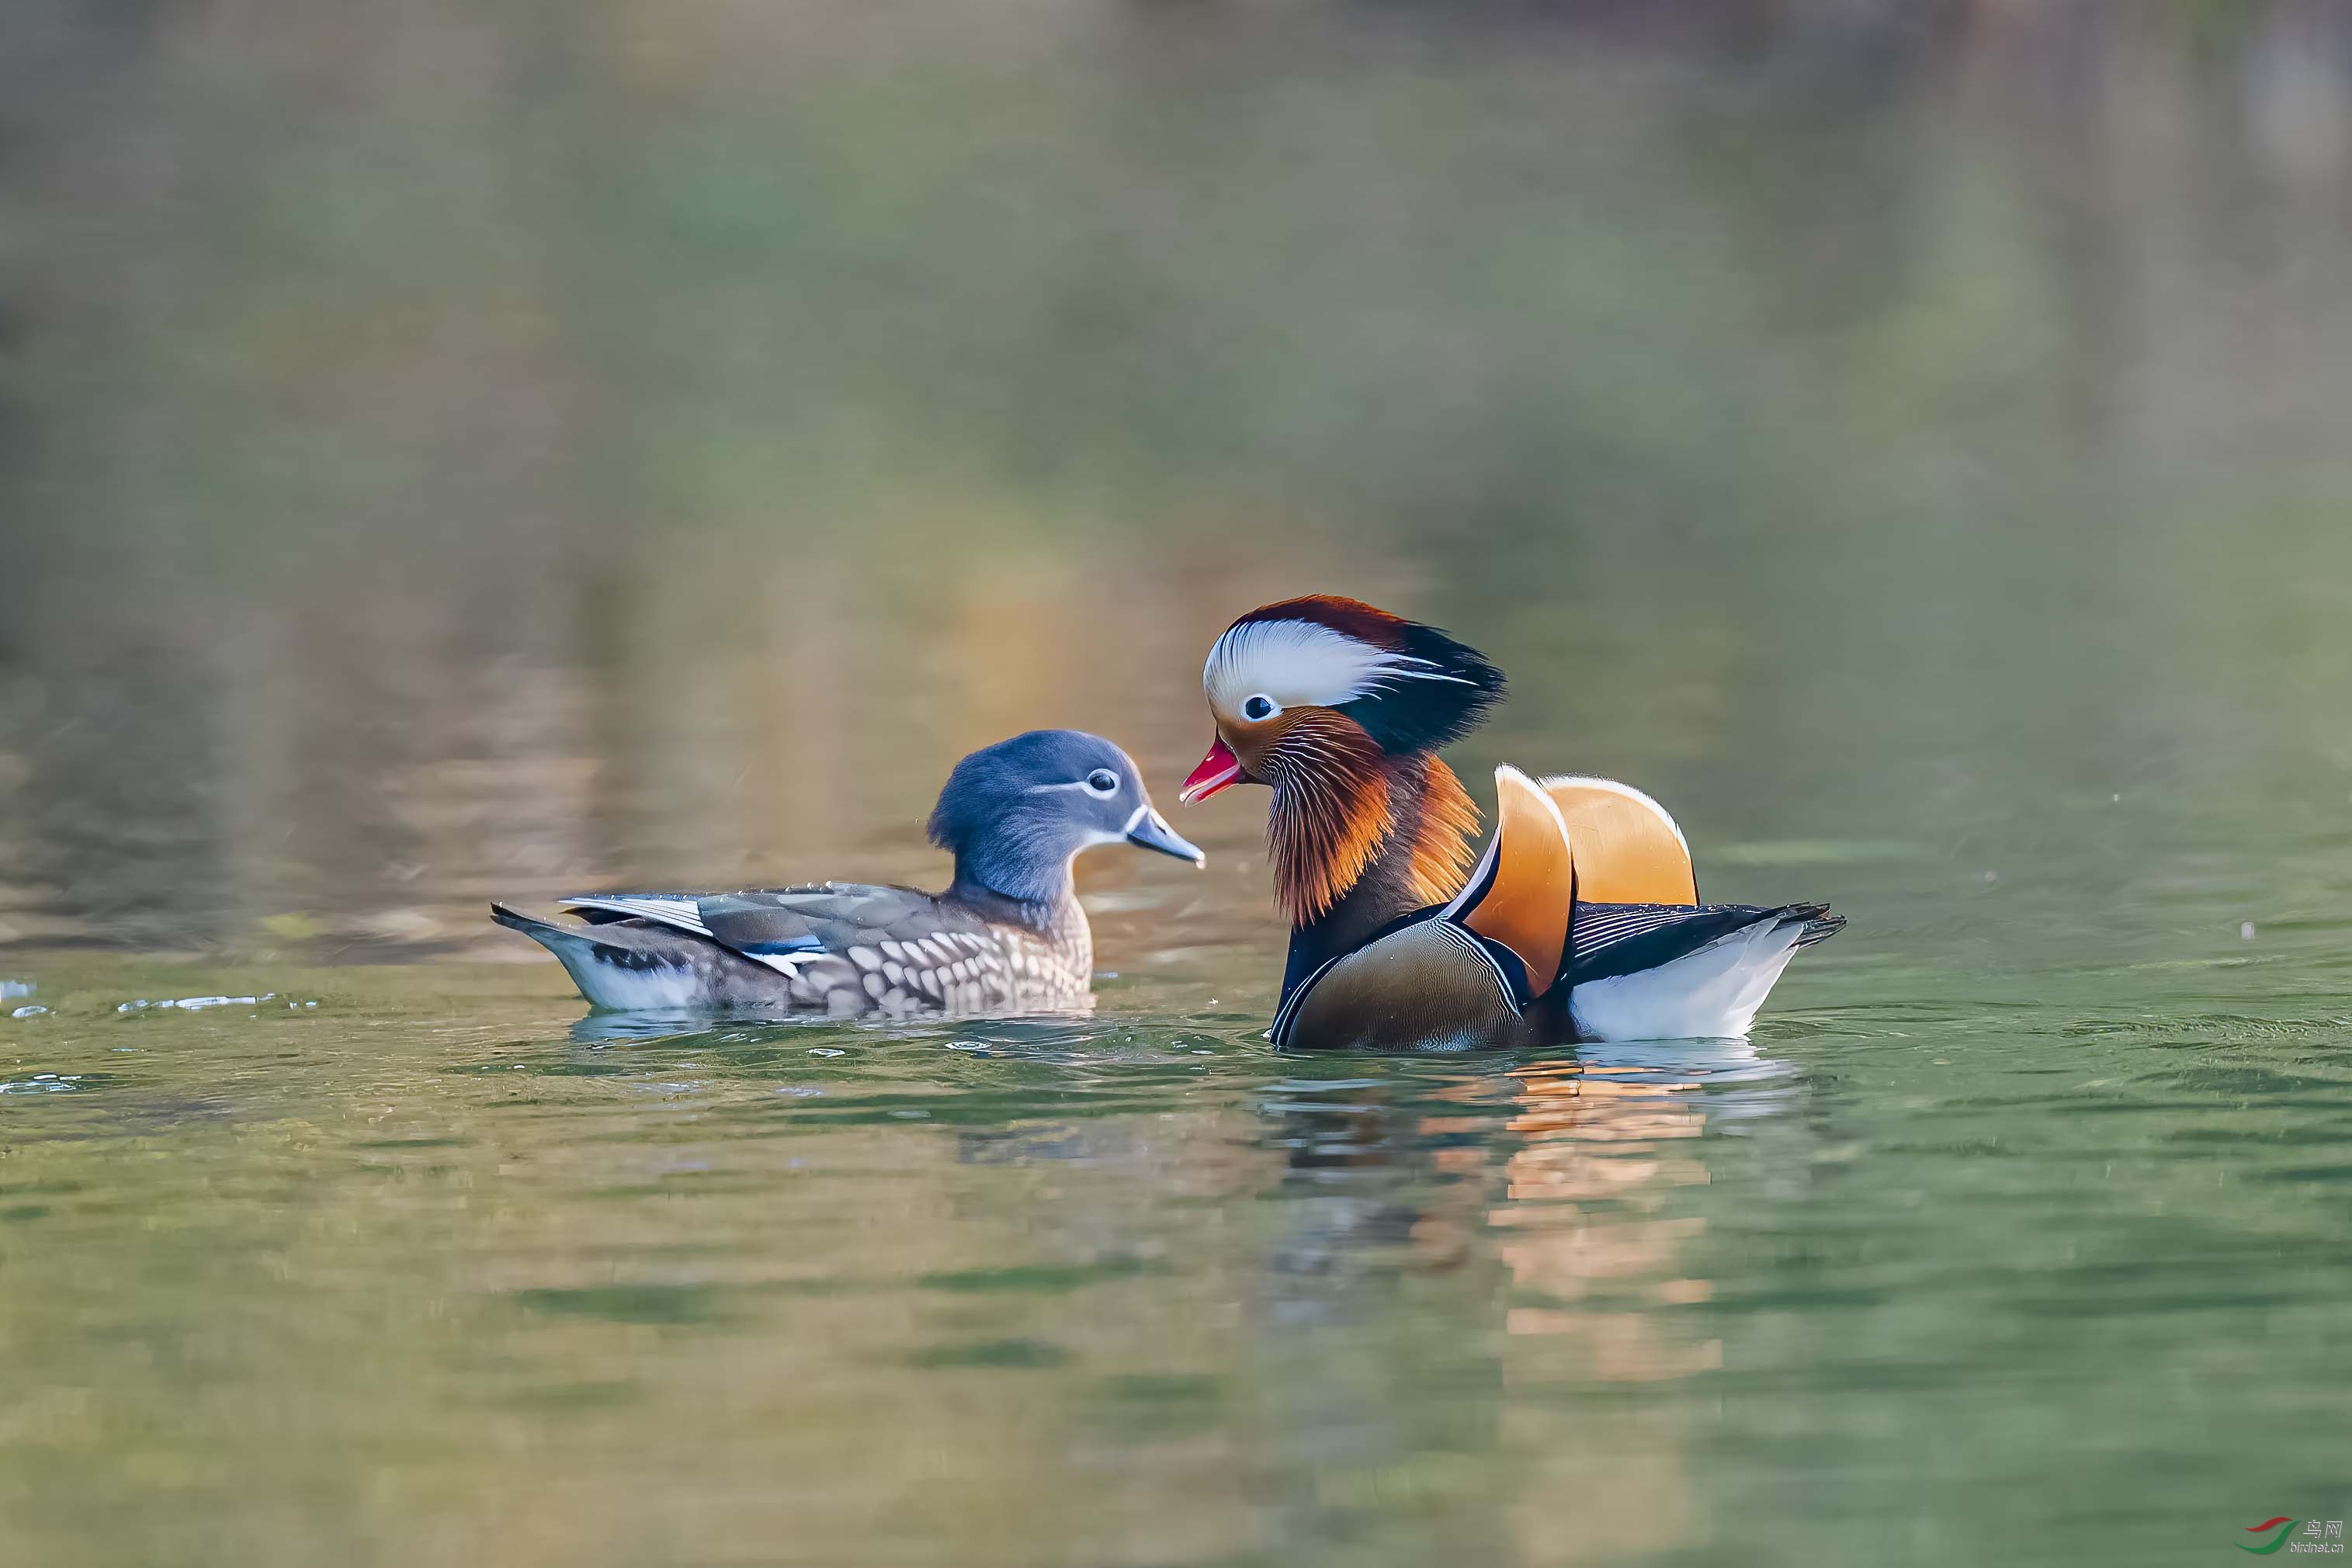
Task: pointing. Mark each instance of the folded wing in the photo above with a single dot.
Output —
(880, 942)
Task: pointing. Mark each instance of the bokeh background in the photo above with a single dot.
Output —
(468, 448)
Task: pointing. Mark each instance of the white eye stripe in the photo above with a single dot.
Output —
(1085, 784)
(1305, 663)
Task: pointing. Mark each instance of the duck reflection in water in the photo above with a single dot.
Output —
(1587, 1152)
(1562, 1191)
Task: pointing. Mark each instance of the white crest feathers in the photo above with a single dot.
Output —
(1304, 664)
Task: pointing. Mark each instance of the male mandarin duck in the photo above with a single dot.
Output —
(1581, 920)
(1006, 935)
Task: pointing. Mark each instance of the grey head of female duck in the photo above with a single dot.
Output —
(1007, 933)
(1017, 814)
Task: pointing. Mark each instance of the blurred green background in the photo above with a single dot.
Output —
(458, 448)
(466, 448)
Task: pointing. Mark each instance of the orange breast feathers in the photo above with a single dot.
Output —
(1445, 837)
(1330, 808)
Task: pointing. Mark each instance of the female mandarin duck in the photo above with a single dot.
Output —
(1581, 921)
(1007, 935)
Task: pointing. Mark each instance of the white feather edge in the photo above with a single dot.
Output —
(1647, 802)
(685, 915)
(1504, 773)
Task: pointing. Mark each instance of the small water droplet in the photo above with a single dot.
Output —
(912, 1115)
(1992, 876)
(827, 1051)
(32, 1012)
(2246, 931)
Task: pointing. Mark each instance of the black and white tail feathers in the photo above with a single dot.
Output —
(1677, 972)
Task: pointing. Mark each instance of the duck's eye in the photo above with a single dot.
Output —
(1102, 781)
(1258, 707)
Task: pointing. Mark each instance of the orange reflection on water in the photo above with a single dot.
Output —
(1601, 1151)
(1593, 1154)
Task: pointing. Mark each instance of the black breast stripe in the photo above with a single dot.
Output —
(1287, 1014)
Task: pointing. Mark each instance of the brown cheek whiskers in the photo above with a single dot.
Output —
(1331, 810)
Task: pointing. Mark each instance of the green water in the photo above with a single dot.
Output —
(456, 451)
(1988, 1247)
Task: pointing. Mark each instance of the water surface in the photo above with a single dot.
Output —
(496, 450)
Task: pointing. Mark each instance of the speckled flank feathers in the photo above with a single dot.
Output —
(1007, 935)
(864, 949)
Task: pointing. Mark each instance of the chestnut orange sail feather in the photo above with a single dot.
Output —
(1524, 891)
(1628, 850)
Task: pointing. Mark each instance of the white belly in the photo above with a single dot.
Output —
(634, 990)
